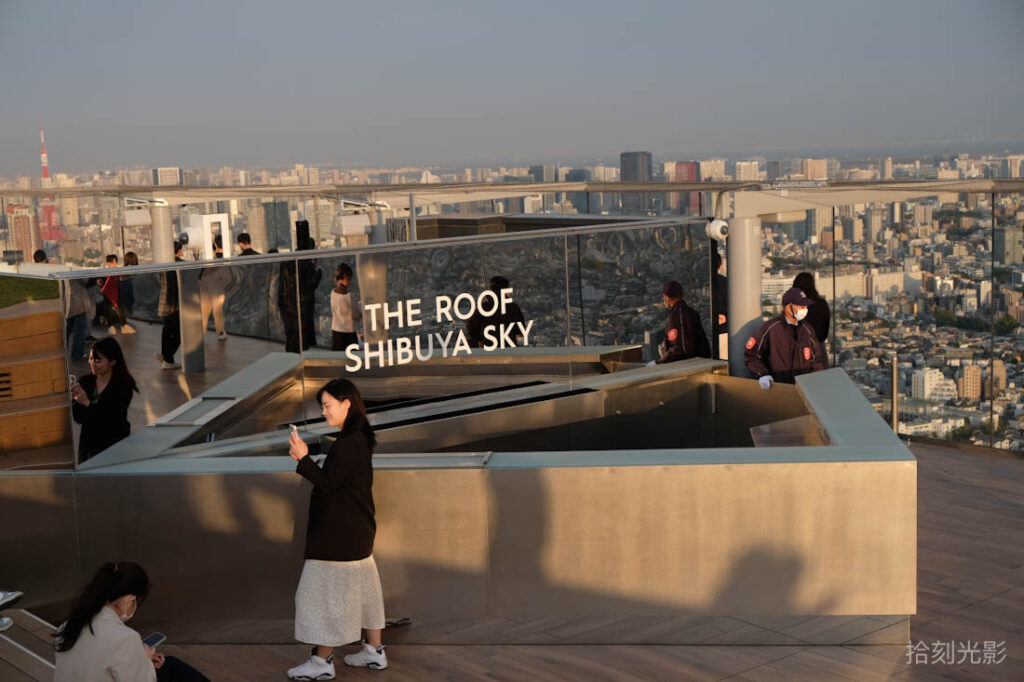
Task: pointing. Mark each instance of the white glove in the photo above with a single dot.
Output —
(765, 382)
(652, 363)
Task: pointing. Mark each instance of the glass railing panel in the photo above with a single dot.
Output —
(620, 277)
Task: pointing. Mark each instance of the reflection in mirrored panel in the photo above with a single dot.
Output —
(159, 348)
(619, 279)
(428, 303)
(35, 423)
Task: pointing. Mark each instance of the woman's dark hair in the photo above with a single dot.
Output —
(111, 350)
(114, 580)
(343, 389)
(343, 271)
(131, 258)
(805, 283)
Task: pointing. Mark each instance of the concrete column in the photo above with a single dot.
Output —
(162, 231)
(744, 259)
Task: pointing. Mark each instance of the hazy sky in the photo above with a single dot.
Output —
(263, 84)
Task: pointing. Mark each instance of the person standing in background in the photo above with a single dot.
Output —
(213, 284)
(818, 314)
(126, 288)
(100, 399)
(110, 309)
(170, 336)
(346, 312)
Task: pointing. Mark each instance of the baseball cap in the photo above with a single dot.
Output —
(796, 297)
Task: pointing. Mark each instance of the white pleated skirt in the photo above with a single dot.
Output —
(336, 600)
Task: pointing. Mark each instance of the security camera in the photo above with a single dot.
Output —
(717, 230)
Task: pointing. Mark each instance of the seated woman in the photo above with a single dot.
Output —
(99, 402)
(94, 644)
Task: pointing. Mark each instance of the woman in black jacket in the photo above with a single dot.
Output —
(339, 593)
(99, 401)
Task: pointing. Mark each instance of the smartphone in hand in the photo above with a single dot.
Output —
(154, 640)
(293, 428)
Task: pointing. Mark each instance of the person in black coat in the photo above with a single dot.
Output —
(684, 333)
(99, 401)
(339, 593)
(298, 314)
(818, 314)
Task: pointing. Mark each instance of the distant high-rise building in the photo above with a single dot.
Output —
(922, 215)
(853, 229)
(930, 384)
(545, 173)
(1011, 166)
(578, 199)
(277, 222)
(23, 230)
(167, 175)
(635, 167)
(774, 170)
(896, 213)
(1007, 245)
(712, 169)
(683, 171)
(815, 169)
(887, 168)
(747, 171)
(998, 374)
(320, 214)
(874, 223)
(969, 383)
(818, 220)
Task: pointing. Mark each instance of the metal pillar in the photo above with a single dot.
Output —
(895, 395)
(162, 231)
(744, 258)
(412, 218)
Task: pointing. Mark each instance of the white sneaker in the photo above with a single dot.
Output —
(169, 365)
(127, 329)
(112, 330)
(223, 336)
(7, 624)
(8, 598)
(315, 668)
(368, 657)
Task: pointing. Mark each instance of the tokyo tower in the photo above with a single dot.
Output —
(49, 218)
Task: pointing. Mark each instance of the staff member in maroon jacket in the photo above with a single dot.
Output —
(785, 346)
(339, 593)
(684, 334)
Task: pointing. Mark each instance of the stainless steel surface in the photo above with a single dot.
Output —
(744, 259)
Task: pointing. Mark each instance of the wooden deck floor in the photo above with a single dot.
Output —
(971, 588)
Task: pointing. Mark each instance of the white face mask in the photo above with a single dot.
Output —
(799, 313)
(127, 616)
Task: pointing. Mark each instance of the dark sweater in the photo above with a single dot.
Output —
(341, 524)
(105, 421)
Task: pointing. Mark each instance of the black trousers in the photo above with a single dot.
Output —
(112, 314)
(176, 670)
(170, 337)
(342, 340)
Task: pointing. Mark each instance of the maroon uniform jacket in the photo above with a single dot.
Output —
(783, 350)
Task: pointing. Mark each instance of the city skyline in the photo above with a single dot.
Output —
(120, 86)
